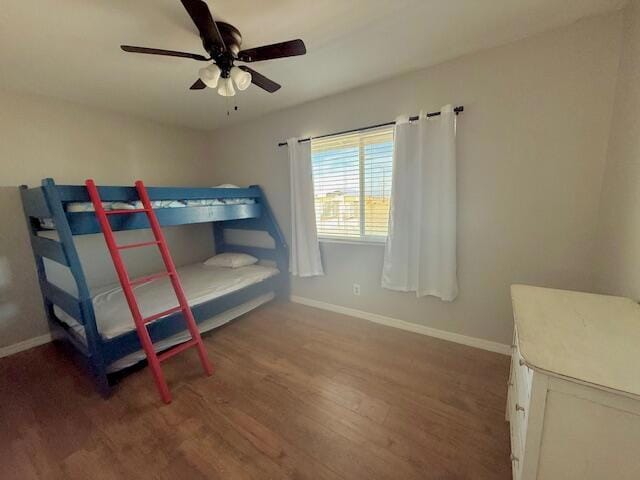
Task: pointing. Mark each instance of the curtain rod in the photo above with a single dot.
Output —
(456, 110)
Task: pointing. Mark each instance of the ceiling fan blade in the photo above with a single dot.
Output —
(159, 51)
(276, 50)
(261, 81)
(201, 16)
(198, 85)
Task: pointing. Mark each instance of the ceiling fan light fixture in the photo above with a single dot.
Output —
(222, 42)
(241, 78)
(226, 88)
(210, 75)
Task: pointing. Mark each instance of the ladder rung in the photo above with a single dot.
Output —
(125, 210)
(136, 245)
(158, 315)
(177, 349)
(149, 278)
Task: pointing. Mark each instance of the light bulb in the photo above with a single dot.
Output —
(210, 75)
(241, 78)
(226, 88)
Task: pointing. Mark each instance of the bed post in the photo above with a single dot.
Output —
(282, 250)
(218, 237)
(40, 270)
(94, 341)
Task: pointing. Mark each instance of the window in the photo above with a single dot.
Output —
(352, 184)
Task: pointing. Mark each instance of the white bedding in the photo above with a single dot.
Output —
(200, 284)
(208, 324)
(88, 206)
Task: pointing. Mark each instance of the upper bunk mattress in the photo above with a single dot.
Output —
(199, 282)
(74, 207)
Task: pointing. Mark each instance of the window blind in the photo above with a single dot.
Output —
(352, 184)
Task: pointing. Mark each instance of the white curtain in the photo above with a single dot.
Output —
(304, 252)
(420, 253)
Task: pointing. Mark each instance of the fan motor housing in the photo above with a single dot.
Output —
(232, 40)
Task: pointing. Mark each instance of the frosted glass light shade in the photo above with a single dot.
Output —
(241, 78)
(226, 88)
(210, 75)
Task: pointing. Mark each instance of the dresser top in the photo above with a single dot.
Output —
(588, 337)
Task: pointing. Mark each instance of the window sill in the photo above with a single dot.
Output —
(349, 241)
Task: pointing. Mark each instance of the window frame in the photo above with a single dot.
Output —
(362, 239)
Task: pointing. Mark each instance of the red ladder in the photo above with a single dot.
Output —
(141, 323)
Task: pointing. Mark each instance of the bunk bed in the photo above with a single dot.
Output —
(105, 343)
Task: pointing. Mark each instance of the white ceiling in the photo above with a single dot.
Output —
(70, 48)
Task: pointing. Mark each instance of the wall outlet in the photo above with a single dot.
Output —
(356, 289)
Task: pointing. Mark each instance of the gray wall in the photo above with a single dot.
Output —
(532, 144)
(619, 253)
(42, 137)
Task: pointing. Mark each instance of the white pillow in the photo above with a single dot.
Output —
(231, 260)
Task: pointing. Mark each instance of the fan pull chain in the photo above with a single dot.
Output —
(235, 107)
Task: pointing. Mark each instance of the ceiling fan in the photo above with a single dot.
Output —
(222, 42)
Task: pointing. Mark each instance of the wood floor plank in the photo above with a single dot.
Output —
(298, 393)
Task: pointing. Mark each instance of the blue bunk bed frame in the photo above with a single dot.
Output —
(97, 353)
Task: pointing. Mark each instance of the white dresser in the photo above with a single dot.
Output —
(574, 388)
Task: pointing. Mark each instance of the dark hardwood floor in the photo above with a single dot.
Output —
(298, 393)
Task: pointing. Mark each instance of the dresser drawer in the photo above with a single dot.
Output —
(521, 384)
(519, 400)
(523, 374)
(515, 428)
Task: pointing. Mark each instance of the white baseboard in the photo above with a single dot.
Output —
(404, 325)
(372, 317)
(25, 345)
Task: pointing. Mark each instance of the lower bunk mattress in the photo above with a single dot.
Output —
(201, 284)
